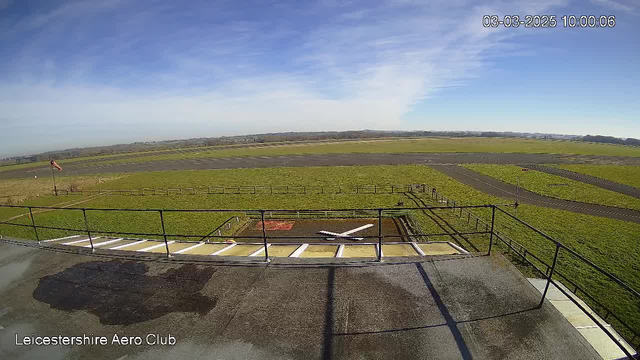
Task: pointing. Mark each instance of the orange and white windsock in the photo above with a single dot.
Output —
(54, 164)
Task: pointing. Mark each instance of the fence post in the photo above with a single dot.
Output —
(33, 223)
(553, 266)
(379, 234)
(86, 225)
(493, 219)
(164, 233)
(264, 237)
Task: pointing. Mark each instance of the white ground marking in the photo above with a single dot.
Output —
(127, 245)
(259, 251)
(340, 250)
(417, 248)
(62, 238)
(346, 233)
(78, 241)
(299, 250)
(189, 248)
(458, 247)
(104, 243)
(155, 246)
(224, 249)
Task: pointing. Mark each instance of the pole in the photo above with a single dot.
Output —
(264, 237)
(493, 218)
(86, 225)
(517, 196)
(33, 223)
(164, 233)
(553, 266)
(55, 188)
(379, 234)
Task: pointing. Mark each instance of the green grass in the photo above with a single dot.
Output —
(623, 174)
(611, 244)
(309, 176)
(421, 145)
(557, 186)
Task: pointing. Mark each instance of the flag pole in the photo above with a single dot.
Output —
(53, 173)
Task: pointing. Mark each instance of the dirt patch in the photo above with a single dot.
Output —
(122, 293)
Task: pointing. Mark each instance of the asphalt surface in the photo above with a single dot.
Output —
(593, 180)
(443, 308)
(318, 160)
(501, 189)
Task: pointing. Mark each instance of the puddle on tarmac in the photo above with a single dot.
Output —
(122, 293)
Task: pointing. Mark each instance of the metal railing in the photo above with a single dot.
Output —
(550, 269)
(379, 214)
(263, 214)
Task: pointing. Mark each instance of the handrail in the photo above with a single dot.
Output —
(572, 252)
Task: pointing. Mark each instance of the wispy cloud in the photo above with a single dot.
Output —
(212, 69)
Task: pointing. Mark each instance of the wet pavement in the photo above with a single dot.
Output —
(433, 308)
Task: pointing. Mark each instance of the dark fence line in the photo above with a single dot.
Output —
(255, 190)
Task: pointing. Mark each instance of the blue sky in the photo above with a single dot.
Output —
(83, 73)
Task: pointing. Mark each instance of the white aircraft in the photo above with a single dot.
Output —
(346, 233)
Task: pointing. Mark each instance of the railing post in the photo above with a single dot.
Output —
(264, 237)
(493, 219)
(553, 266)
(86, 225)
(33, 223)
(164, 233)
(379, 234)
